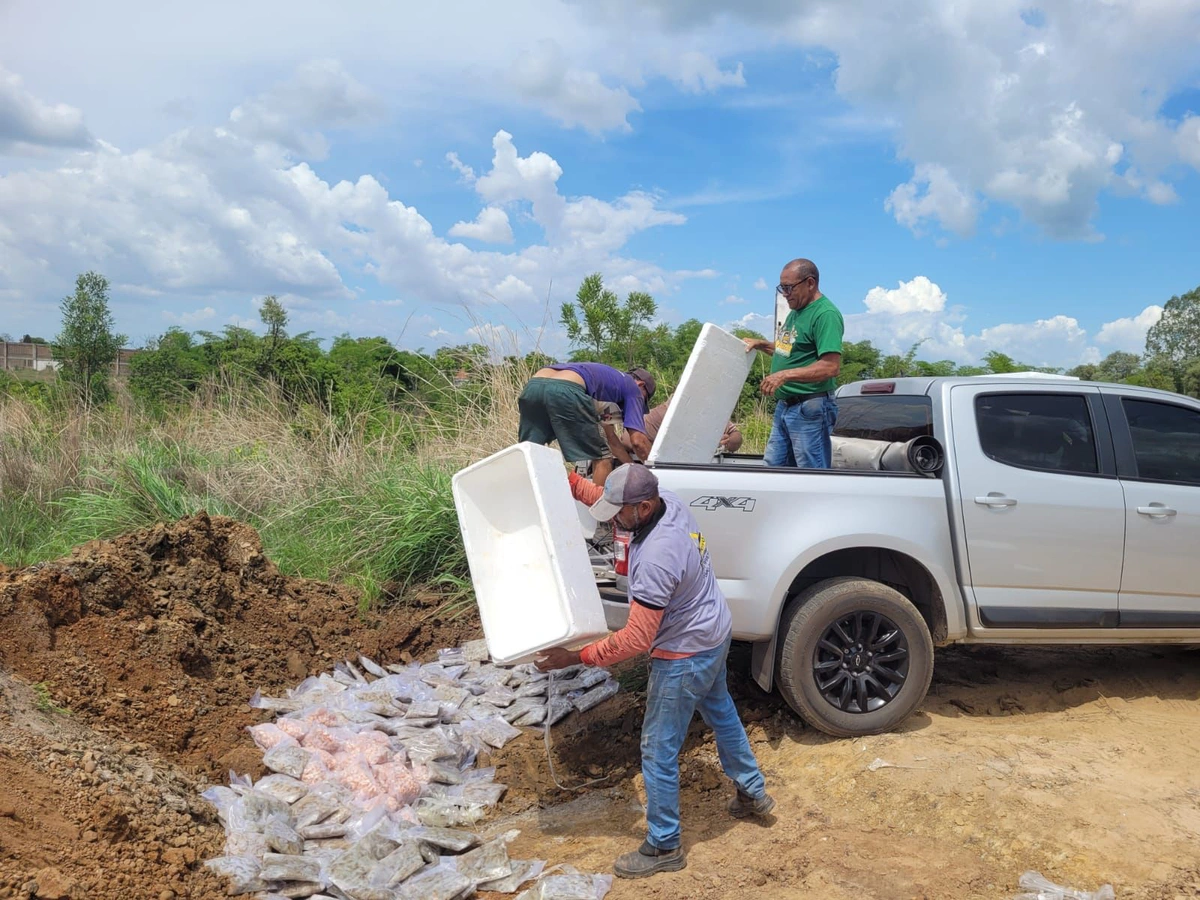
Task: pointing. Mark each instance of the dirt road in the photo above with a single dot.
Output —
(1081, 763)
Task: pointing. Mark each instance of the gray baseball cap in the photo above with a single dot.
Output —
(628, 485)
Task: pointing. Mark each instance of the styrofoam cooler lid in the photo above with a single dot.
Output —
(702, 404)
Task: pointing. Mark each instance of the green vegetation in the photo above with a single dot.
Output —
(342, 457)
(43, 702)
(87, 347)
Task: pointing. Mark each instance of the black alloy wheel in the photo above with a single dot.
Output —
(861, 662)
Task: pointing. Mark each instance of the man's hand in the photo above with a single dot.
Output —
(555, 658)
(753, 344)
(773, 382)
(641, 444)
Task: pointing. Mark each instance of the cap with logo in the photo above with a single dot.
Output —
(626, 486)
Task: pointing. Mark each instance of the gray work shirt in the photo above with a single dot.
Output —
(670, 569)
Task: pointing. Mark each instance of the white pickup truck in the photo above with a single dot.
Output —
(1065, 512)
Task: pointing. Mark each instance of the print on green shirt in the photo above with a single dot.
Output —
(807, 334)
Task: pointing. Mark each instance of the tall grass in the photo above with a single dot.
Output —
(362, 497)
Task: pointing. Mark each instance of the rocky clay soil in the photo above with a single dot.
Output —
(125, 669)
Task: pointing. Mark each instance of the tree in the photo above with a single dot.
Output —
(609, 330)
(1176, 336)
(6, 337)
(275, 317)
(87, 346)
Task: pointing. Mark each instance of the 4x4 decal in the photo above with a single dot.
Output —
(745, 504)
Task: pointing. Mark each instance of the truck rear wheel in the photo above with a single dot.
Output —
(855, 656)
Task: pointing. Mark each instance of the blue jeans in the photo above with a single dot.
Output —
(679, 687)
(800, 434)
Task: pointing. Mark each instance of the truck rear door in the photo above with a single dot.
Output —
(1043, 512)
(1158, 457)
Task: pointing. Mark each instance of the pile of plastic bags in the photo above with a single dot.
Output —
(374, 781)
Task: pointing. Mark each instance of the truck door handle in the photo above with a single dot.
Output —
(995, 500)
(1155, 511)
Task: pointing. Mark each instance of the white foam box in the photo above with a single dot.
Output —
(529, 563)
(702, 404)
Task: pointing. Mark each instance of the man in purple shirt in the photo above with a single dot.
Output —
(558, 403)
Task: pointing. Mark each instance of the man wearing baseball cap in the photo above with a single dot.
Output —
(678, 613)
(558, 404)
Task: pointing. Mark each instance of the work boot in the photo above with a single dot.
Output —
(743, 805)
(649, 860)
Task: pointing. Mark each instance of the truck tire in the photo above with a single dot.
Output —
(846, 643)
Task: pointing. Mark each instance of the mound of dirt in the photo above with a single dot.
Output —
(162, 635)
(132, 661)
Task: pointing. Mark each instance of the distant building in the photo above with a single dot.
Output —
(17, 356)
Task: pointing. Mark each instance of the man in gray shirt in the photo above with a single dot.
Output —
(678, 613)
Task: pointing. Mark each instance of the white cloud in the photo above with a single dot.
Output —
(195, 317)
(1187, 140)
(512, 290)
(733, 300)
(437, 333)
(1129, 333)
(490, 226)
(696, 273)
(760, 285)
(918, 311)
(465, 172)
(584, 223)
(320, 95)
(988, 104)
(575, 97)
(211, 212)
(500, 340)
(918, 295)
(764, 325)
(699, 73)
(932, 194)
(27, 122)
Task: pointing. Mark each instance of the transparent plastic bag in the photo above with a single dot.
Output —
(522, 871)
(282, 837)
(443, 813)
(486, 862)
(287, 759)
(438, 882)
(1038, 887)
(351, 871)
(397, 866)
(242, 872)
(373, 667)
(288, 867)
(282, 787)
(569, 887)
(451, 839)
(596, 695)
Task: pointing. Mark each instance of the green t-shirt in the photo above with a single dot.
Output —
(807, 335)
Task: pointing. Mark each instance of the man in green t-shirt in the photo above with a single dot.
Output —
(805, 362)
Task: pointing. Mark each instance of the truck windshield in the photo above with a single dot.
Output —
(886, 417)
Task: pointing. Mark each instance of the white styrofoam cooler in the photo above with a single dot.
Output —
(529, 563)
(708, 391)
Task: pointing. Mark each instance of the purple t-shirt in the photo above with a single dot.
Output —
(605, 383)
(670, 569)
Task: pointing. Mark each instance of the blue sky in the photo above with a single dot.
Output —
(1001, 176)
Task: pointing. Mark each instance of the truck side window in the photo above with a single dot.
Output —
(1166, 440)
(1038, 431)
(895, 417)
